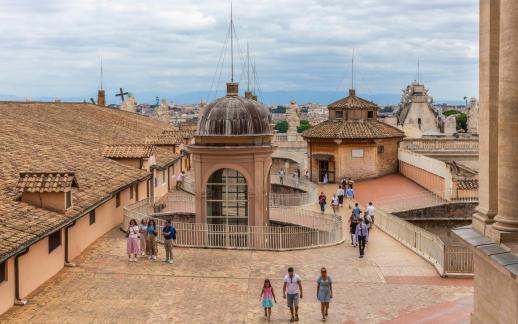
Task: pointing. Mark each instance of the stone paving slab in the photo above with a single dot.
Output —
(223, 286)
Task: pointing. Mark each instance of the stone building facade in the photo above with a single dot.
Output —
(352, 143)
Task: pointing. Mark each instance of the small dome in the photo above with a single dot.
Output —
(234, 115)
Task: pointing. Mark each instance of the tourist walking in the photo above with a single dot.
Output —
(292, 290)
(169, 233)
(334, 204)
(362, 233)
(132, 243)
(353, 222)
(281, 176)
(340, 193)
(349, 193)
(180, 180)
(152, 232)
(322, 202)
(357, 210)
(326, 178)
(142, 229)
(370, 212)
(324, 292)
(267, 297)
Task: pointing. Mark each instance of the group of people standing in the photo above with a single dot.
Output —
(142, 240)
(292, 292)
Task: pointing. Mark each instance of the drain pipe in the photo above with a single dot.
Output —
(18, 301)
(67, 262)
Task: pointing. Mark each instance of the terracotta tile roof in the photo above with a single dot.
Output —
(129, 151)
(467, 184)
(62, 136)
(352, 129)
(164, 139)
(46, 181)
(353, 102)
(187, 134)
(165, 156)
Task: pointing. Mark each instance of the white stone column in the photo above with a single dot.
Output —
(488, 114)
(507, 218)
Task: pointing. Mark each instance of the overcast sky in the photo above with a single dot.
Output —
(53, 48)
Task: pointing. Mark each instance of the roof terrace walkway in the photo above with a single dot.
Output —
(390, 285)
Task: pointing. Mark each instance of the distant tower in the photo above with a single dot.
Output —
(101, 95)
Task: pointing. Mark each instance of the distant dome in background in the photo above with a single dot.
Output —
(234, 115)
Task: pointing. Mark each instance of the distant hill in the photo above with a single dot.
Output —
(268, 97)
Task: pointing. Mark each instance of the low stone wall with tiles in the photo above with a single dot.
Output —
(460, 211)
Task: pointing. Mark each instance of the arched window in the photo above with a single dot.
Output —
(227, 198)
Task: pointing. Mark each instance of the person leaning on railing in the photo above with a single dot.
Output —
(180, 179)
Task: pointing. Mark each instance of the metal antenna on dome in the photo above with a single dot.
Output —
(231, 45)
(248, 67)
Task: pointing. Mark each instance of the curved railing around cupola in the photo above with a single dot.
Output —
(297, 229)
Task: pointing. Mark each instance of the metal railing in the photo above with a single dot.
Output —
(447, 260)
(312, 230)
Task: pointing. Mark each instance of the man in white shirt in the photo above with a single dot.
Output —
(293, 285)
(370, 212)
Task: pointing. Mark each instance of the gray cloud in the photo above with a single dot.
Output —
(52, 48)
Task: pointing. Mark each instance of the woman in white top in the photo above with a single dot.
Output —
(142, 228)
(334, 203)
(132, 244)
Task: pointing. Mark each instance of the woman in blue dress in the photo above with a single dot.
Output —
(324, 292)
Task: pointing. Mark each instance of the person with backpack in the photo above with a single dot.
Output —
(362, 233)
(322, 202)
(353, 222)
(169, 233)
(370, 212)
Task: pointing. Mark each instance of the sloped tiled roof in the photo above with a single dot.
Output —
(61, 136)
(164, 139)
(467, 184)
(165, 156)
(352, 129)
(182, 133)
(128, 151)
(353, 102)
(46, 181)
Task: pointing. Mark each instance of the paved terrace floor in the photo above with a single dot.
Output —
(391, 284)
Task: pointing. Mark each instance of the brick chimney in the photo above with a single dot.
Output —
(248, 94)
(101, 98)
(352, 92)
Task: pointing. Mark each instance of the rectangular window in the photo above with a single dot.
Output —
(54, 240)
(92, 217)
(381, 148)
(357, 153)
(370, 114)
(3, 271)
(339, 114)
(68, 199)
(136, 192)
(131, 192)
(163, 176)
(117, 199)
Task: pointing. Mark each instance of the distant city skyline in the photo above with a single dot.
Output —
(299, 46)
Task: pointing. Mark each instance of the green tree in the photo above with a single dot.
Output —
(281, 126)
(304, 124)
